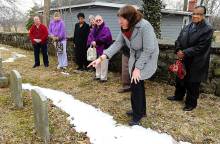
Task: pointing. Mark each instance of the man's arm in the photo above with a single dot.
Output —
(204, 42)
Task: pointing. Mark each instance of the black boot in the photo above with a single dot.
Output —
(174, 98)
(130, 113)
(34, 66)
(188, 108)
(134, 122)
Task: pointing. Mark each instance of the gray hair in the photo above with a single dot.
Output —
(99, 16)
(36, 17)
(91, 17)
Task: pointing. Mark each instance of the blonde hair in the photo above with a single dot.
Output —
(56, 14)
(91, 17)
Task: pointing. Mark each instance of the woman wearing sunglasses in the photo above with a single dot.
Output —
(138, 34)
(101, 38)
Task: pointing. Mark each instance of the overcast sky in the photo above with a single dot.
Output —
(27, 4)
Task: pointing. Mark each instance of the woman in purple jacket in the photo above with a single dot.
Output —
(100, 38)
(58, 33)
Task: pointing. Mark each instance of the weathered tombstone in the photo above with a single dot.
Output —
(16, 88)
(1, 69)
(3, 79)
(40, 109)
(217, 92)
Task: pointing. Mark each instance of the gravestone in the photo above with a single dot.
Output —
(217, 92)
(3, 79)
(16, 88)
(40, 108)
(1, 68)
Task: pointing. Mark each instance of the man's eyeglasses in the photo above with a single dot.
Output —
(98, 20)
(197, 14)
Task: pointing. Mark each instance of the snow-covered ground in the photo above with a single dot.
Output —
(4, 49)
(65, 73)
(101, 128)
(13, 57)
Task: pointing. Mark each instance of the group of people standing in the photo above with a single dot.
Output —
(39, 34)
(139, 44)
(97, 35)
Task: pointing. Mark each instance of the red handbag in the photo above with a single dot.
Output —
(178, 69)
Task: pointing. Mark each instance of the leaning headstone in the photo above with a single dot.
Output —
(1, 69)
(3, 79)
(217, 92)
(40, 108)
(16, 88)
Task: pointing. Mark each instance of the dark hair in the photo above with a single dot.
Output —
(80, 15)
(132, 15)
(203, 7)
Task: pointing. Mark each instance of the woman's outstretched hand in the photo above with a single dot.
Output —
(136, 76)
(95, 63)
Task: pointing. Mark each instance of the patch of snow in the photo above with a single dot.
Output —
(65, 73)
(9, 60)
(101, 128)
(181, 142)
(13, 57)
(4, 49)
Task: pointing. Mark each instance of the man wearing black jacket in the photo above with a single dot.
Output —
(193, 48)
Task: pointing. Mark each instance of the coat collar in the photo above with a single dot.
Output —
(136, 29)
(134, 33)
(198, 26)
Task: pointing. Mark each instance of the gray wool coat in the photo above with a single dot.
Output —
(144, 49)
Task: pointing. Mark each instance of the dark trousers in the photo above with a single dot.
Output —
(138, 100)
(190, 89)
(43, 48)
(126, 81)
(81, 57)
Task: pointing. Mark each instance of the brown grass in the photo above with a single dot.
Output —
(199, 126)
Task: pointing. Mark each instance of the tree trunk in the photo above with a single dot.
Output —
(201, 2)
(16, 28)
(185, 6)
(46, 14)
(60, 5)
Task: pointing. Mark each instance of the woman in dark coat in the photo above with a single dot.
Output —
(80, 40)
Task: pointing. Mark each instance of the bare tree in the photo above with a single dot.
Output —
(46, 14)
(213, 9)
(212, 6)
(185, 5)
(10, 15)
